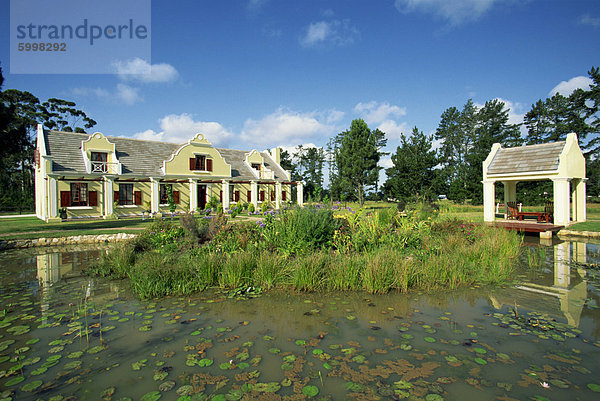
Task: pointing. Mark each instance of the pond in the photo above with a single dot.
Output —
(64, 336)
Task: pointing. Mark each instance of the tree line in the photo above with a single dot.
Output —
(453, 167)
(20, 112)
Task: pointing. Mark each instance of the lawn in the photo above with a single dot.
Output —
(32, 227)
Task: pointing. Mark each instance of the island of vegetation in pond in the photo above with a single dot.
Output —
(313, 249)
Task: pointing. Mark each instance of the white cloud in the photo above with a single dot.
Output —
(386, 162)
(127, 94)
(141, 71)
(334, 116)
(393, 130)
(334, 32)
(565, 88)
(589, 20)
(122, 94)
(453, 11)
(375, 113)
(180, 128)
(286, 127)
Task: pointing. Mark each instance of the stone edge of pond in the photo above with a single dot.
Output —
(73, 240)
(579, 234)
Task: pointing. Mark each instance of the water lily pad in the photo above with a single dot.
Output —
(317, 351)
(96, 349)
(151, 396)
(73, 365)
(76, 354)
(451, 358)
(166, 386)
(160, 375)
(310, 391)
(18, 330)
(429, 339)
(434, 397)
(14, 381)
(480, 361)
(31, 386)
(594, 387)
(32, 341)
(480, 350)
(39, 371)
(274, 350)
(204, 362)
(300, 342)
(359, 359)
(289, 358)
(139, 365)
(225, 366)
(243, 365)
(4, 358)
(145, 328)
(185, 390)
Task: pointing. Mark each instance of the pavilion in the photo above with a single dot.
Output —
(561, 162)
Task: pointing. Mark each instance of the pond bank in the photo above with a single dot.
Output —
(58, 241)
(579, 234)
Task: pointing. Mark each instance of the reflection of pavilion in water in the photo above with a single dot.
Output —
(562, 295)
(53, 267)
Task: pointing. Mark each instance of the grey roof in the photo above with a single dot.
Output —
(140, 157)
(526, 159)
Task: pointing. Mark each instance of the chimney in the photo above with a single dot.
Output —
(276, 155)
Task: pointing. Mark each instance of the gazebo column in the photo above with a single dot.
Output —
(193, 195)
(510, 191)
(300, 193)
(154, 196)
(579, 200)
(225, 189)
(278, 195)
(562, 196)
(489, 198)
(254, 194)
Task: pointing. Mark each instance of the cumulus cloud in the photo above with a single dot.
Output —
(375, 113)
(180, 128)
(565, 88)
(141, 71)
(287, 127)
(454, 11)
(393, 130)
(333, 33)
(122, 94)
(589, 20)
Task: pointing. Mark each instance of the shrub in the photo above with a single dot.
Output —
(251, 208)
(264, 206)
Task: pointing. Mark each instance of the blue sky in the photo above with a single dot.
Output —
(262, 73)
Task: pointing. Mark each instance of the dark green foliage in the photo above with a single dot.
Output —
(412, 174)
(356, 156)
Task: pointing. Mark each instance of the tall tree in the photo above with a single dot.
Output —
(493, 127)
(357, 159)
(380, 143)
(310, 168)
(413, 173)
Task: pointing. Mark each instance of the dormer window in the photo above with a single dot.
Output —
(256, 166)
(99, 162)
(200, 163)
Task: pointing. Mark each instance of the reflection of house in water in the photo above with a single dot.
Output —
(561, 295)
(53, 267)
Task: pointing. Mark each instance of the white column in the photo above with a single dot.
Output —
(193, 195)
(225, 194)
(489, 198)
(581, 201)
(562, 270)
(254, 194)
(108, 196)
(561, 201)
(154, 196)
(53, 197)
(300, 193)
(278, 195)
(510, 191)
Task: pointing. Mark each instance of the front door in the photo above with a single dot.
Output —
(201, 196)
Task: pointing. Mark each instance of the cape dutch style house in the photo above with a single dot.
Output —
(94, 176)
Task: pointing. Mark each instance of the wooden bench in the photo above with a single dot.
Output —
(542, 217)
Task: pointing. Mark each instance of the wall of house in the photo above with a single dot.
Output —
(180, 164)
(184, 198)
(255, 157)
(82, 211)
(99, 143)
(133, 210)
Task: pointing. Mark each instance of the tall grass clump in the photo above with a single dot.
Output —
(312, 249)
(301, 230)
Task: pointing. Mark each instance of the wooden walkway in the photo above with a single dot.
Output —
(528, 227)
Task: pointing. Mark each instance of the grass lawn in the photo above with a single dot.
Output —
(32, 227)
(587, 226)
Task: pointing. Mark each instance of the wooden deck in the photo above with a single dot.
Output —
(528, 227)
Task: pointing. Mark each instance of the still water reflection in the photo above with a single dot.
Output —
(65, 335)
